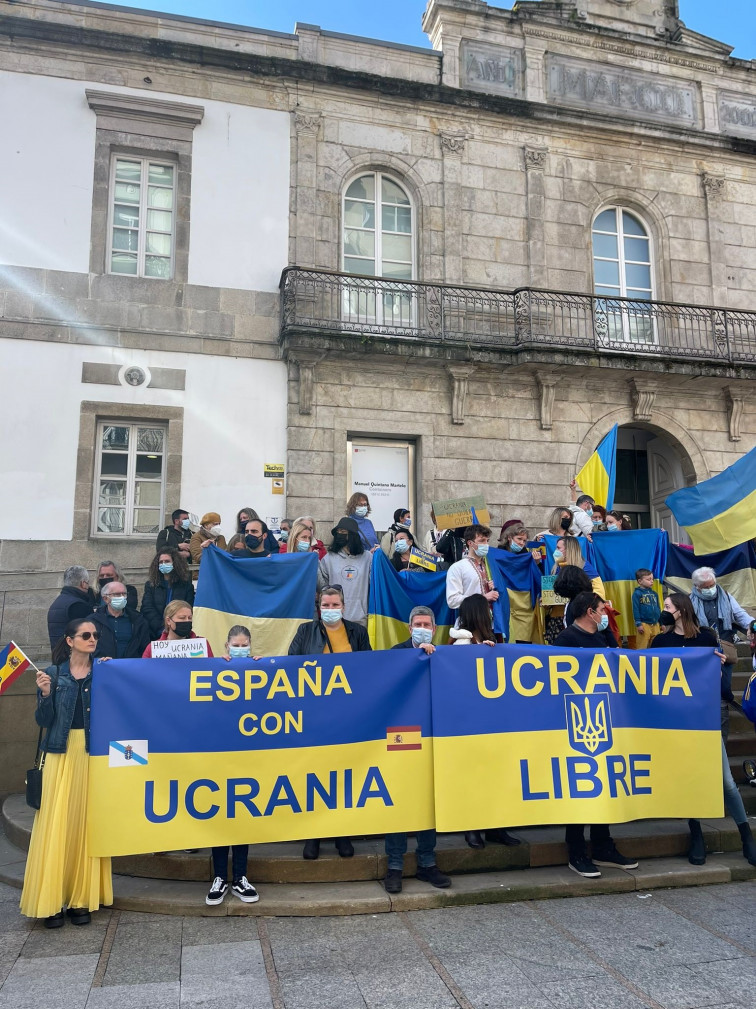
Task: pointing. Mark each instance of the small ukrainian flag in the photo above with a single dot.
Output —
(719, 513)
(12, 663)
(598, 476)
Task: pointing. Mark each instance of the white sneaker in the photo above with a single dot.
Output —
(218, 891)
(245, 891)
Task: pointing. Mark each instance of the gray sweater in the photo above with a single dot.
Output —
(353, 575)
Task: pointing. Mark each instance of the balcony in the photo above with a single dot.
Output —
(318, 306)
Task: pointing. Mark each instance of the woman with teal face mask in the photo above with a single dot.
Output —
(404, 541)
(168, 579)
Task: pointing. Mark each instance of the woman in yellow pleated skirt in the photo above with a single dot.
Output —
(60, 872)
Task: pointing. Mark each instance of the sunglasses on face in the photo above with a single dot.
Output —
(86, 635)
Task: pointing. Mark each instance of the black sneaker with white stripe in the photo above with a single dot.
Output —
(245, 891)
(218, 891)
(583, 866)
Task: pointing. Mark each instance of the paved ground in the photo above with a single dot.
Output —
(671, 949)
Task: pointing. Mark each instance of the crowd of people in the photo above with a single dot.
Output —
(100, 618)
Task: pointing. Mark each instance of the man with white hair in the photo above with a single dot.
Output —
(719, 610)
(124, 633)
(75, 600)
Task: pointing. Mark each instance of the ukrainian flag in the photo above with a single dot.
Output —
(719, 513)
(12, 663)
(598, 476)
(518, 580)
(393, 594)
(618, 556)
(271, 596)
(736, 570)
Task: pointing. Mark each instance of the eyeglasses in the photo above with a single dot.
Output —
(86, 635)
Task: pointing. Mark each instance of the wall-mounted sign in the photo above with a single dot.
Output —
(384, 472)
(273, 469)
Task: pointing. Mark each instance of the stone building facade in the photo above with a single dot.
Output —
(564, 228)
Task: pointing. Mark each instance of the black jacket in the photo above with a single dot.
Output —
(132, 597)
(140, 634)
(403, 644)
(155, 600)
(169, 538)
(311, 638)
(70, 604)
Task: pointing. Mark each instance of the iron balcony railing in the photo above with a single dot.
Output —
(322, 301)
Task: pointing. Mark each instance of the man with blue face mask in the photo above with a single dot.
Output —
(177, 535)
(422, 626)
(719, 610)
(124, 633)
(590, 629)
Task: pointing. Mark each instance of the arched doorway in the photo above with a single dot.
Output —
(649, 468)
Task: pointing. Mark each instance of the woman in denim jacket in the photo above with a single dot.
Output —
(60, 872)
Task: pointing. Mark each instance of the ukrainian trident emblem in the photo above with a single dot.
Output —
(589, 723)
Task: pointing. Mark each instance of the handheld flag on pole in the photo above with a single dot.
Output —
(598, 476)
(719, 513)
(12, 663)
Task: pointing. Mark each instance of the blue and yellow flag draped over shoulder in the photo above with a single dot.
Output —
(393, 594)
(598, 476)
(719, 513)
(736, 570)
(618, 556)
(271, 596)
(518, 580)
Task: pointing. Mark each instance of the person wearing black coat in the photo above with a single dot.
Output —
(124, 633)
(75, 600)
(312, 638)
(169, 580)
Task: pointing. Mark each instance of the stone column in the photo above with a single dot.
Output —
(715, 192)
(306, 125)
(306, 360)
(452, 149)
(735, 401)
(459, 375)
(546, 383)
(535, 163)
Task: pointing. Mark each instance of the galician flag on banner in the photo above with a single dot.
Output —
(598, 476)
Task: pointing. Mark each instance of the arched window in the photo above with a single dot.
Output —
(622, 269)
(378, 237)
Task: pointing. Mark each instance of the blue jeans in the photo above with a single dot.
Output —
(239, 854)
(732, 797)
(396, 848)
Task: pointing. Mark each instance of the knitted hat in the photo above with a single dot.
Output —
(210, 519)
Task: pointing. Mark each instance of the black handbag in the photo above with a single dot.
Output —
(34, 775)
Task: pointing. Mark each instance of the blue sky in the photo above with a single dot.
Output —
(731, 21)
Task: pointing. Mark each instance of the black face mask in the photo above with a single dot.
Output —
(253, 542)
(105, 580)
(183, 628)
(565, 524)
(666, 619)
(339, 542)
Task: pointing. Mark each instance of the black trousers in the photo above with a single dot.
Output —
(239, 854)
(575, 837)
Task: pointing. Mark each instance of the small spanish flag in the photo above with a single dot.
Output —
(12, 663)
(404, 737)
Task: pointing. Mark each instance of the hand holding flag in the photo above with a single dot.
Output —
(12, 663)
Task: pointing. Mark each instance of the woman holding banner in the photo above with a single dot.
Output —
(178, 626)
(60, 872)
(681, 629)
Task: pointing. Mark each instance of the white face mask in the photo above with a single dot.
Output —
(215, 530)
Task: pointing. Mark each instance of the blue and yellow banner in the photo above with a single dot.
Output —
(394, 593)
(736, 570)
(528, 735)
(719, 513)
(271, 596)
(618, 556)
(190, 753)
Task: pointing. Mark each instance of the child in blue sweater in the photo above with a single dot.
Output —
(646, 610)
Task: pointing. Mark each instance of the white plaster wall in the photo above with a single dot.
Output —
(240, 183)
(234, 422)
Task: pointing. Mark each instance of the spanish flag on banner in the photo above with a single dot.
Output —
(12, 663)
(271, 596)
(598, 476)
(719, 513)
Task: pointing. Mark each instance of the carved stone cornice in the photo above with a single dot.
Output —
(735, 400)
(452, 144)
(644, 394)
(546, 383)
(154, 117)
(307, 123)
(306, 361)
(535, 158)
(459, 375)
(714, 186)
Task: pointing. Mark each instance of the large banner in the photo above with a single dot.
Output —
(187, 753)
(191, 753)
(528, 735)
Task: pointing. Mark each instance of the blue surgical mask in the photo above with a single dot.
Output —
(421, 636)
(603, 623)
(515, 547)
(239, 651)
(709, 593)
(185, 523)
(331, 616)
(165, 569)
(558, 555)
(361, 511)
(407, 522)
(118, 602)
(284, 535)
(613, 529)
(589, 511)
(481, 549)
(303, 547)
(401, 546)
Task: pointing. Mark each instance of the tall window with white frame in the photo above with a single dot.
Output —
(129, 487)
(142, 217)
(378, 241)
(622, 268)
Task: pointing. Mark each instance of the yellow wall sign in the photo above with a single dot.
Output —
(273, 469)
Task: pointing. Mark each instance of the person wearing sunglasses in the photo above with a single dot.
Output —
(61, 876)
